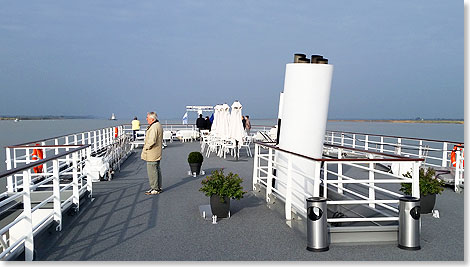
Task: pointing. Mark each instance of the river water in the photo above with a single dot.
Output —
(12, 133)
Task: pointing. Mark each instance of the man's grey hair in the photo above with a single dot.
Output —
(152, 115)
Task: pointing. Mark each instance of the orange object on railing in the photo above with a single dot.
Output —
(116, 132)
(452, 155)
(37, 155)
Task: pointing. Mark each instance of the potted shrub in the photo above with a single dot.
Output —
(221, 188)
(195, 160)
(429, 186)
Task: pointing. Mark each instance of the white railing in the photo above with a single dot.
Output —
(436, 153)
(61, 187)
(127, 128)
(99, 140)
(377, 188)
(62, 181)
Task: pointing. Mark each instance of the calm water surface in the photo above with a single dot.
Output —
(12, 133)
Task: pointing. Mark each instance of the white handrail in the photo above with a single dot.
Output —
(435, 152)
(285, 189)
(69, 154)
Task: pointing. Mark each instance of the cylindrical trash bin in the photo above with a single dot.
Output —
(317, 231)
(409, 224)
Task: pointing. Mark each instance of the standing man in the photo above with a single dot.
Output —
(200, 123)
(152, 153)
(207, 123)
(247, 124)
(135, 127)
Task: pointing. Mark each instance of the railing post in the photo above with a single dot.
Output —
(354, 141)
(381, 144)
(104, 137)
(420, 151)
(99, 139)
(340, 172)
(14, 158)
(89, 183)
(325, 179)
(255, 167)
(95, 141)
(15, 176)
(457, 171)
(81, 159)
(76, 196)
(415, 192)
(316, 179)
(28, 156)
(29, 238)
(56, 193)
(83, 138)
(89, 138)
(342, 139)
(288, 206)
(366, 142)
(371, 182)
(269, 180)
(399, 146)
(56, 142)
(10, 178)
(332, 138)
(45, 165)
(67, 157)
(105, 133)
(444, 154)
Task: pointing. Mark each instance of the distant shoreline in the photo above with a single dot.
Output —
(406, 121)
(333, 120)
(28, 118)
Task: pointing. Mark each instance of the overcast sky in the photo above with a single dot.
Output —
(392, 59)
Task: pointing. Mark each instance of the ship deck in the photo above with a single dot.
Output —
(124, 224)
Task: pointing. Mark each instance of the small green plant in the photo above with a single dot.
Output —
(223, 185)
(195, 157)
(428, 184)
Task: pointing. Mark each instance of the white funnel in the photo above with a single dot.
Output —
(304, 116)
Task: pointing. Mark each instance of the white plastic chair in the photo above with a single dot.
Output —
(246, 144)
(205, 139)
(214, 144)
(167, 136)
(227, 146)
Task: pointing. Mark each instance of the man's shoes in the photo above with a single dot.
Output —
(148, 191)
(153, 192)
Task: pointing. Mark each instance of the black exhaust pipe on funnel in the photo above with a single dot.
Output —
(316, 58)
(298, 57)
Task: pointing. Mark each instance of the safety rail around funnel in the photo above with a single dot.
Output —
(370, 185)
(446, 157)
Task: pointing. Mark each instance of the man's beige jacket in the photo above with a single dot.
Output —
(152, 150)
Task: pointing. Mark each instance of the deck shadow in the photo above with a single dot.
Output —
(248, 201)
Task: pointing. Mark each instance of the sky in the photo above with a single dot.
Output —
(392, 59)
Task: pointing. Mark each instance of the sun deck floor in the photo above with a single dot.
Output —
(124, 224)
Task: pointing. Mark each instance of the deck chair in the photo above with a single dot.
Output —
(214, 144)
(246, 144)
(167, 136)
(227, 146)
